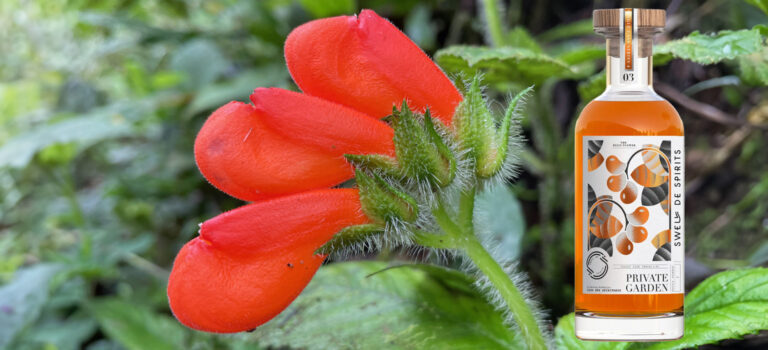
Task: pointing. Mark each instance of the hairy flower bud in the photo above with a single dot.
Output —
(350, 236)
(486, 145)
(382, 202)
(375, 162)
(421, 151)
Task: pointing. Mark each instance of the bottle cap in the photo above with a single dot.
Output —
(646, 18)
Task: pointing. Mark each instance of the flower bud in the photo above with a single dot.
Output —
(487, 146)
(375, 162)
(421, 152)
(350, 236)
(382, 202)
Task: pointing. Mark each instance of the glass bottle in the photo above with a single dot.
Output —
(629, 178)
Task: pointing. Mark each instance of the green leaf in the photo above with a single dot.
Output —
(69, 333)
(501, 64)
(57, 154)
(520, 37)
(727, 80)
(201, 61)
(502, 215)
(762, 29)
(77, 96)
(583, 53)
(569, 30)
(754, 68)
(22, 299)
(581, 57)
(727, 305)
(761, 4)
(238, 89)
(709, 49)
(419, 27)
(18, 97)
(328, 8)
(760, 256)
(84, 130)
(135, 326)
(362, 305)
(592, 87)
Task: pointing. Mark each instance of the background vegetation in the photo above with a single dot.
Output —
(100, 102)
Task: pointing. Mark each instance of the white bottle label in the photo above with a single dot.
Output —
(634, 206)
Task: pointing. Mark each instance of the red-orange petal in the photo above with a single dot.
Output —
(366, 63)
(250, 263)
(323, 124)
(241, 156)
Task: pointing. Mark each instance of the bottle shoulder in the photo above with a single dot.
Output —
(657, 117)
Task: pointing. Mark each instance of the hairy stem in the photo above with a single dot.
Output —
(512, 297)
(463, 235)
(493, 23)
(445, 222)
(467, 211)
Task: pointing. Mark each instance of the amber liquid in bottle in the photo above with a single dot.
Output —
(642, 118)
(624, 135)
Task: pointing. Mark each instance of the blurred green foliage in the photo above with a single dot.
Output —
(100, 102)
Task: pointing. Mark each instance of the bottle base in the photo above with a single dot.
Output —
(593, 326)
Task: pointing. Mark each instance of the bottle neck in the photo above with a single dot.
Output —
(629, 71)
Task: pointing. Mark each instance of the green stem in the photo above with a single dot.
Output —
(467, 211)
(70, 192)
(515, 302)
(491, 11)
(433, 240)
(463, 235)
(445, 222)
(67, 184)
(146, 266)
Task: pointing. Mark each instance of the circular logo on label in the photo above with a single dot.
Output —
(597, 264)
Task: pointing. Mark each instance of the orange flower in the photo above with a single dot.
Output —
(248, 264)
(364, 62)
(285, 143)
(284, 151)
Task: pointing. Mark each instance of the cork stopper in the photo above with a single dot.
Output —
(646, 18)
(649, 23)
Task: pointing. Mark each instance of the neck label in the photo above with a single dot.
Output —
(628, 35)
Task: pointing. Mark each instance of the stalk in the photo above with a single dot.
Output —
(515, 302)
(493, 22)
(463, 236)
(70, 193)
(66, 182)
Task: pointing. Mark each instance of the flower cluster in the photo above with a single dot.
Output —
(374, 107)
(284, 152)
